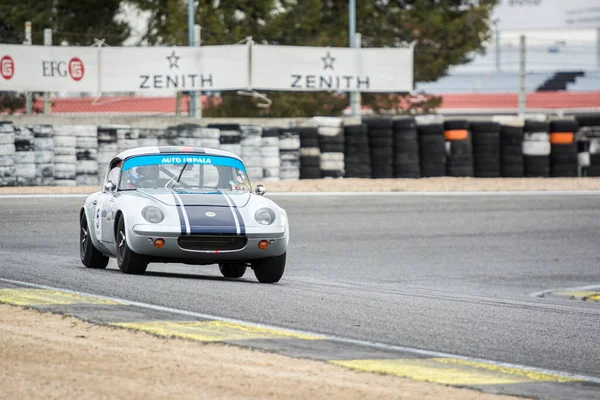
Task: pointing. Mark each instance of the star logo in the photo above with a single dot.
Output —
(173, 60)
(328, 61)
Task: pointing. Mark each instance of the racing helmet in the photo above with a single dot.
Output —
(143, 173)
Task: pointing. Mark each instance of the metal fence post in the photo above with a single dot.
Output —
(355, 98)
(47, 102)
(192, 106)
(28, 95)
(198, 43)
(522, 73)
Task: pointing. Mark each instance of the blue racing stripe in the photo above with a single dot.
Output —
(211, 220)
(181, 218)
(238, 214)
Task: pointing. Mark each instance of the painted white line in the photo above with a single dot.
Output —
(573, 289)
(382, 346)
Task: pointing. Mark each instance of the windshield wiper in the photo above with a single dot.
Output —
(178, 176)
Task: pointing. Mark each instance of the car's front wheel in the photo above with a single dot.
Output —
(128, 261)
(269, 270)
(90, 256)
(231, 270)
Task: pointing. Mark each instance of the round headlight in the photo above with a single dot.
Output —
(264, 216)
(153, 214)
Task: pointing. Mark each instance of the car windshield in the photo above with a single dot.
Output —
(184, 171)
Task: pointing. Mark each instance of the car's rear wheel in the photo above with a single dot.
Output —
(231, 270)
(129, 261)
(90, 256)
(269, 270)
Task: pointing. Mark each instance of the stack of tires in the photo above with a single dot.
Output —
(127, 138)
(331, 146)
(107, 149)
(65, 155)
(269, 153)
(7, 154)
(251, 142)
(170, 137)
(357, 153)
(44, 154)
(563, 149)
(381, 140)
(209, 138)
(148, 137)
(406, 149)
(485, 136)
(230, 137)
(310, 153)
(536, 149)
(459, 151)
(24, 156)
(511, 151)
(289, 155)
(87, 156)
(432, 150)
(589, 144)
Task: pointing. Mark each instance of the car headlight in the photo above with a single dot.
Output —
(153, 214)
(264, 216)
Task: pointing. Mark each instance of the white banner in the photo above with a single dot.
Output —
(48, 68)
(171, 69)
(332, 69)
(546, 14)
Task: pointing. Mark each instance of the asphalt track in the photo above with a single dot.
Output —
(447, 273)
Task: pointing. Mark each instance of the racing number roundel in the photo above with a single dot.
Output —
(7, 67)
(76, 69)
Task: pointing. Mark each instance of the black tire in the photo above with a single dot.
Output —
(269, 270)
(90, 256)
(129, 262)
(232, 270)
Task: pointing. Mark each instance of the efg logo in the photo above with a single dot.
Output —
(74, 68)
(7, 67)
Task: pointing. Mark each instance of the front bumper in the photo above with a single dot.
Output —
(141, 240)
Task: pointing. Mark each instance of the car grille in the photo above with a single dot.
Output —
(212, 242)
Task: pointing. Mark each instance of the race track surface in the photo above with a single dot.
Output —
(447, 273)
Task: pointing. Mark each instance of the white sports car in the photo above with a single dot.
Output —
(185, 205)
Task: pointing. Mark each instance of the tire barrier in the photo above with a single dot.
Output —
(357, 154)
(381, 140)
(7, 154)
(86, 152)
(289, 155)
(269, 153)
(65, 155)
(251, 141)
(485, 137)
(406, 149)
(432, 150)
(563, 149)
(423, 146)
(459, 150)
(511, 151)
(536, 149)
(24, 156)
(589, 145)
(44, 154)
(331, 146)
(310, 153)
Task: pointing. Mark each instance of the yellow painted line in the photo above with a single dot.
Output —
(42, 297)
(581, 295)
(451, 371)
(212, 331)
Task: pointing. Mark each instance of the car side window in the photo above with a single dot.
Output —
(113, 175)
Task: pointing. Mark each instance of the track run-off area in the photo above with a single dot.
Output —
(493, 291)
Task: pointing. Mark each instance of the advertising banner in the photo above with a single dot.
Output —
(48, 68)
(171, 69)
(332, 69)
(546, 14)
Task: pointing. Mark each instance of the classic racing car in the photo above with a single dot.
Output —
(185, 205)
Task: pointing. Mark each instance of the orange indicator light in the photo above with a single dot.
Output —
(263, 244)
(159, 243)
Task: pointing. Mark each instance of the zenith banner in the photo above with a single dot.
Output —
(171, 69)
(332, 69)
(48, 68)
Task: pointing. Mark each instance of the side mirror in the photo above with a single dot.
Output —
(109, 186)
(260, 190)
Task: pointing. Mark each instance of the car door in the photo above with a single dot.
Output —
(106, 208)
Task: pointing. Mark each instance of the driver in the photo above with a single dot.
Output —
(144, 176)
